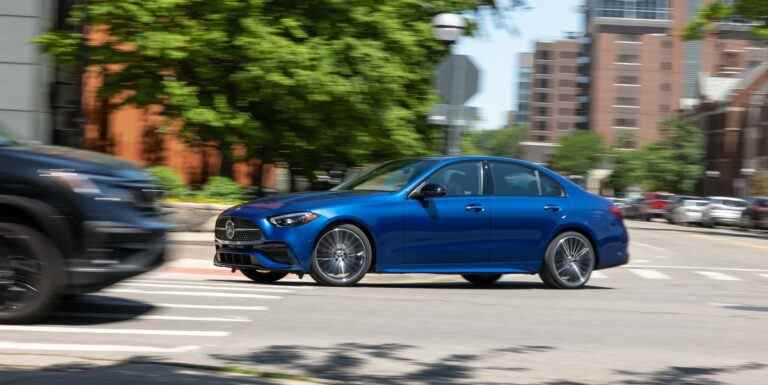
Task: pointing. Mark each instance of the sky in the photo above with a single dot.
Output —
(495, 51)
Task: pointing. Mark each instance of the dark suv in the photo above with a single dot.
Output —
(755, 216)
(71, 222)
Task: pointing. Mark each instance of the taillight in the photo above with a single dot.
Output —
(616, 211)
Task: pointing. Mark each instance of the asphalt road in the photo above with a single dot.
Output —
(691, 308)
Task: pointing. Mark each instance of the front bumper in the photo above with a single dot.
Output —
(114, 252)
(264, 255)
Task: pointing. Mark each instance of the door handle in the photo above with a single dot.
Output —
(552, 208)
(475, 208)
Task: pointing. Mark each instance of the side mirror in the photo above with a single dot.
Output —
(431, 190)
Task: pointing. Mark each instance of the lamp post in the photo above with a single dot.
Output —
(448, 28)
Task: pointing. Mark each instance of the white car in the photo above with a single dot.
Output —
(689, 211)
(723, 211)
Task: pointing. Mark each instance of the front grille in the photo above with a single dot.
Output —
(245, 230)
(235, 259)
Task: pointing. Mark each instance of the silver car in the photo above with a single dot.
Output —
(723, 211)
(689, 211)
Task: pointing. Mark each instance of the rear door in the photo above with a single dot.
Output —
(525, 207)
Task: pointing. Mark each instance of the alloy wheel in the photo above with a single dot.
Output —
(20, 274)
(573, 260)
(341, 255)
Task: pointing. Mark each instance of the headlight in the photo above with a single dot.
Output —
(79, 183)
(292, 220)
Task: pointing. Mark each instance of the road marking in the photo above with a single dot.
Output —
(205, 287)
(764, 275)
(699, 268)
(89, 330)
(151, 317)
(10, 345)
(173, 278)
(718, 276)
(730, 242)
(193, 293)
(649, 274)
(640, 260)
(648, 246)
(117, 302)
(598, 275)
(192, 262)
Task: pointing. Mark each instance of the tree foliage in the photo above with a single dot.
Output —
(502, 142)
(752, 10)
(578, 153)
(306, 83)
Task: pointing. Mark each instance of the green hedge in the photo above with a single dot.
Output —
(170, 181)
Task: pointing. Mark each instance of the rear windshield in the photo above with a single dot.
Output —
(731, 203)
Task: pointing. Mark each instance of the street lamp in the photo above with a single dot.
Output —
(448, 27)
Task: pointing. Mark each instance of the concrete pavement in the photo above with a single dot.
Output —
(691, 308)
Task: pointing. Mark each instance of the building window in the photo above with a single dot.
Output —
(626, 101)
(542, 111)
(542, 97)
(543, 69)
(566, 97)
(625, 122)
(541, 125)
(753, 64)
(627, 79)
(568, 55)
(730, 59)
(666, 66)
(542, 83)
(565, 111)
(541, 138)
(544, 55)
(629, 38)
(566, 83)
(628, 58)
(568, 69)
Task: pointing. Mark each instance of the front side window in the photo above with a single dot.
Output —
(550, 187)
(460, 179)
(391, 176)
(511, 179)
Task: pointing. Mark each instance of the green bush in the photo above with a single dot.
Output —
(219, 187)
(170, 181)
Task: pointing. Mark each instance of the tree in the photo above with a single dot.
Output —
(676, 162)
(628, 170)
(578, 153)
(501, 142)
(305, 83)
(752, 10)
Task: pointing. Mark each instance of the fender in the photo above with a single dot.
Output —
(48, 219)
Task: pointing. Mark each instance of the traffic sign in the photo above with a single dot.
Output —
(457, 79)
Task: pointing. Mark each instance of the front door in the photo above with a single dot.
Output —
(449, 233)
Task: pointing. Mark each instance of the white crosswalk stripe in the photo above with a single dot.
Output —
(124, 303)
(151, 317)
(598, 275)
(26, 346)
(192, 293)
(649, 274)
(90, 330)
(718, 276)
(206, 287)
(764, 275)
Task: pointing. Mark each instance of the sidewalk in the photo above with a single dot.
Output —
(202, 238)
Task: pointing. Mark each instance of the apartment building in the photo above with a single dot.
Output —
(642, 71)
(554, 97)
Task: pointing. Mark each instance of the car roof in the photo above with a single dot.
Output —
(727, 198)
(450, 158)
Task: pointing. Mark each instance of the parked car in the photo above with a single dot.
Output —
(687, 210)
(480, 217)
(71, 222)
(632, 208)
(723, 211)
(755, 216)
(654, 205)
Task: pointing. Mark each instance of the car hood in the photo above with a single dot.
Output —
(88, 162)
(300, 201)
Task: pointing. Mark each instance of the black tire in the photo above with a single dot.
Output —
(25, 245)
(481, 279)
(263, 276)
(549, 274)
(321, 261)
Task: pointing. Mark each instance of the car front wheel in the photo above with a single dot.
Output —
(342, 256)
(569, 261)
(31, 274)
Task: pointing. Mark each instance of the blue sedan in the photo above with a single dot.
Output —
(479, 217)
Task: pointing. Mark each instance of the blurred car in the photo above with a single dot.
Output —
(687, 210)
(479, 217)
(723, 211)
(654, 205)
(632, 208)
(71, 222)
(618, 202)
(755, 216)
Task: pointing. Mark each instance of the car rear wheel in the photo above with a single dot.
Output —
(342, 256)
(31, 274)
(569, 261)
(263, 276)
(481, 279)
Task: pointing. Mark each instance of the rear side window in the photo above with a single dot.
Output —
(550, 187)
(510, 179)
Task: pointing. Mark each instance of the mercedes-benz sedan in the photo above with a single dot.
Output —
(479, 217)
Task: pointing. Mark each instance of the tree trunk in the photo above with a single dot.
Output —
(257, 178)
(227, 161)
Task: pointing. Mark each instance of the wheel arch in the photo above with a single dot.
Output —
(40, 216)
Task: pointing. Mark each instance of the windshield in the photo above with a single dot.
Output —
(391, 176)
